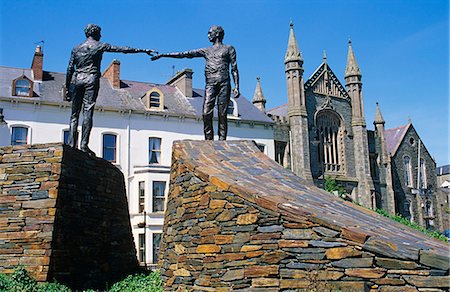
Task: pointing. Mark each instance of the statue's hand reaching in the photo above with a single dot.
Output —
(236, 92)
(156, 57)
(150, 52)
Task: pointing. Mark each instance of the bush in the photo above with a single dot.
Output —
(20, 281)
(139, 283)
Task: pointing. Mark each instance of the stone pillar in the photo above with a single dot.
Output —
(297, 114)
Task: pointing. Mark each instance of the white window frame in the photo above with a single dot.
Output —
(20, 126)
(117, 154)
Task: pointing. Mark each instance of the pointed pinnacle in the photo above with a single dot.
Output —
(352, 68)
(378, 116)
(258, 96)
(324, 56)
(292, 52)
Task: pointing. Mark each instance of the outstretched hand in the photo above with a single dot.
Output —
(236, 93)
(150, 52)
(156, 57)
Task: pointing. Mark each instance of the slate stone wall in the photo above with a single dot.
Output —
(237, 221)
(64, 216)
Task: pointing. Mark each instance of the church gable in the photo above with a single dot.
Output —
(324, 82)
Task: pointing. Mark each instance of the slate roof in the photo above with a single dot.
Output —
(394, 138)
(281, 111)
(443, 170)
(128, 97)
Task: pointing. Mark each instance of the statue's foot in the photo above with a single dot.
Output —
(88, 151)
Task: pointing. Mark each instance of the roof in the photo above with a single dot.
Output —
(128, 97)
(394, 138)
(443, 170)
(281, 111)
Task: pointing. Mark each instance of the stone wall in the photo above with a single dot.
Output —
(63, 216)
(237, 221)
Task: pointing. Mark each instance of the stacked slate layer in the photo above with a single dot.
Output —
(64, 216)
(237, 221)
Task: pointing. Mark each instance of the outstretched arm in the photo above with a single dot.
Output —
(234, 72)
(128, 50)
(187, 54)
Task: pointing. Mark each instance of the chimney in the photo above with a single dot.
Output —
(112, 73)
(183, 81)
(36, 65)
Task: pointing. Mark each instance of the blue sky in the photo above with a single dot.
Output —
(402, 46)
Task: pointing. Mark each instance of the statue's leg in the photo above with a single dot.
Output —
(90, 96)
(77, 101)
(223, 101)
(208, 111)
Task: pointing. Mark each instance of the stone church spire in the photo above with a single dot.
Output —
(365, 190)
(297, 114)
(354, 87)
(378, 116)
(258, 98)
(352, 67)
(384, 166)
(292, 52)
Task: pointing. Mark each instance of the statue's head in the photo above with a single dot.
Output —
(216, 32)
(93, 30)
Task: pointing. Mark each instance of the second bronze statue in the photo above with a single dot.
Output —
(219, 57)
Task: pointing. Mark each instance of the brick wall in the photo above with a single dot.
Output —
(63, 216)
(237, 221)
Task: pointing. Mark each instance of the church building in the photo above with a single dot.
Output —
(321, 133)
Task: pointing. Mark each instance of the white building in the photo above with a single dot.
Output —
(135, 124)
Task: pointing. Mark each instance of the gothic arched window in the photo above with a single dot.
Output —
(329, 135)
(407, 170)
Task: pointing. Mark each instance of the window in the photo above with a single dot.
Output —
(422, 175)
(407, 169)
(142, 248)
(109, 147)
(154, 99)
(409, 211)
(141, 196)
(329, 136)
(158, 196)
(66, 137)
(232, 108)
(156, 243)
(66, 134)
(281, 153)
(428, 215)
(376, 200)
(19, 136)
(154, 150)
(23, 86)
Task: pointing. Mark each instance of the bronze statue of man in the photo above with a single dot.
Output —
(218, 58)
(84, 67)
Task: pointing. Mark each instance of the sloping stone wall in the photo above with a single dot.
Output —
(237, 221)
(64, 216)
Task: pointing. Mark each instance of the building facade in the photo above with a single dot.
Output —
(135, 124)
(322, 132)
